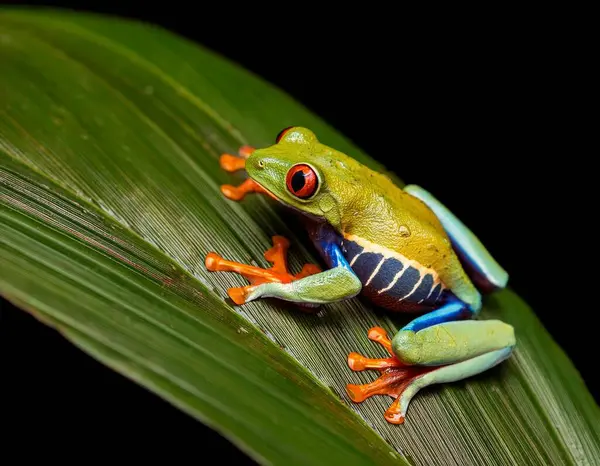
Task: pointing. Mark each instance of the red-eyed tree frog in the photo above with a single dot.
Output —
(400, 248)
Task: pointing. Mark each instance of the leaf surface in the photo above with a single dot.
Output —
(110, 133)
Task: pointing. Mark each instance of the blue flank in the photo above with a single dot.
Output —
(455, 309)
(352, 250)
(328, 242)
(333, 255)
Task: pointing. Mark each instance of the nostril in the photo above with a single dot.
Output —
(261, 164)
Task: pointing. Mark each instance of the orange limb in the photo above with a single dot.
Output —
(279, 272)
(245, 151)
(233, 163)
(237, 193)
(395, 376)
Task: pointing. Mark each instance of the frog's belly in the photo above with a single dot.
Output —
(391, 280)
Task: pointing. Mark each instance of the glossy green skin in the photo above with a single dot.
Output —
(366, 208)
(359, 202)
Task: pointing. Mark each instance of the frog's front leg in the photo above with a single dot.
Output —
(309, 287)
(232, 163)
(437, 347)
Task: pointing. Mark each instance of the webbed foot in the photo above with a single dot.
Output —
(278, 273)
(395, 377)
(441, 353)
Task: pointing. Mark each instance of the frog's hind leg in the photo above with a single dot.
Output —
(487, 274)
(441, 346)
(395, 376)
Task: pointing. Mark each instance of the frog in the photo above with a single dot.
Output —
(398, 247)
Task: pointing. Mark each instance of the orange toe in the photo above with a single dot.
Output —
(393, 415)
(395, 376)
(238, 295)
(212, 261)
(246, 151)
(231, 163)
(356, 393)
(358, 362)
(380, 336)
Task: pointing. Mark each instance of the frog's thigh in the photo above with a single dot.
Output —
(438, 347)
(447, 335)
(487, 273)
(455, 342)
(453, 350)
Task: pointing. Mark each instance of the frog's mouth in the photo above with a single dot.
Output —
(259, 188)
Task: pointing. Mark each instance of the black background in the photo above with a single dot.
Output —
(486, 110)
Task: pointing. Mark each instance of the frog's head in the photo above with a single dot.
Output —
(302, 173)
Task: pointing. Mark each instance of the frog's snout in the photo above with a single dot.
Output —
(255, 162)
(264, 165)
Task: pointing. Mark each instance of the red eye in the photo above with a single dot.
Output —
(282, 133)
(302, 181)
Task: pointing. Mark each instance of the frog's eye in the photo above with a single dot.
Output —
(282, 133)
(302, 181)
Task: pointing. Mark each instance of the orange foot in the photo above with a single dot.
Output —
(279, 272)
(232, 163)
(394, 379)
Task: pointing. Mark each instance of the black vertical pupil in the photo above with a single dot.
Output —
(298, 181)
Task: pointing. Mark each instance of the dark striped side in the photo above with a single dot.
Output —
(391, 282)
(351, 250)
(365, 264)
(386, 273)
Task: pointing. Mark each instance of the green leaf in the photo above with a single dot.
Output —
(110, 133)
